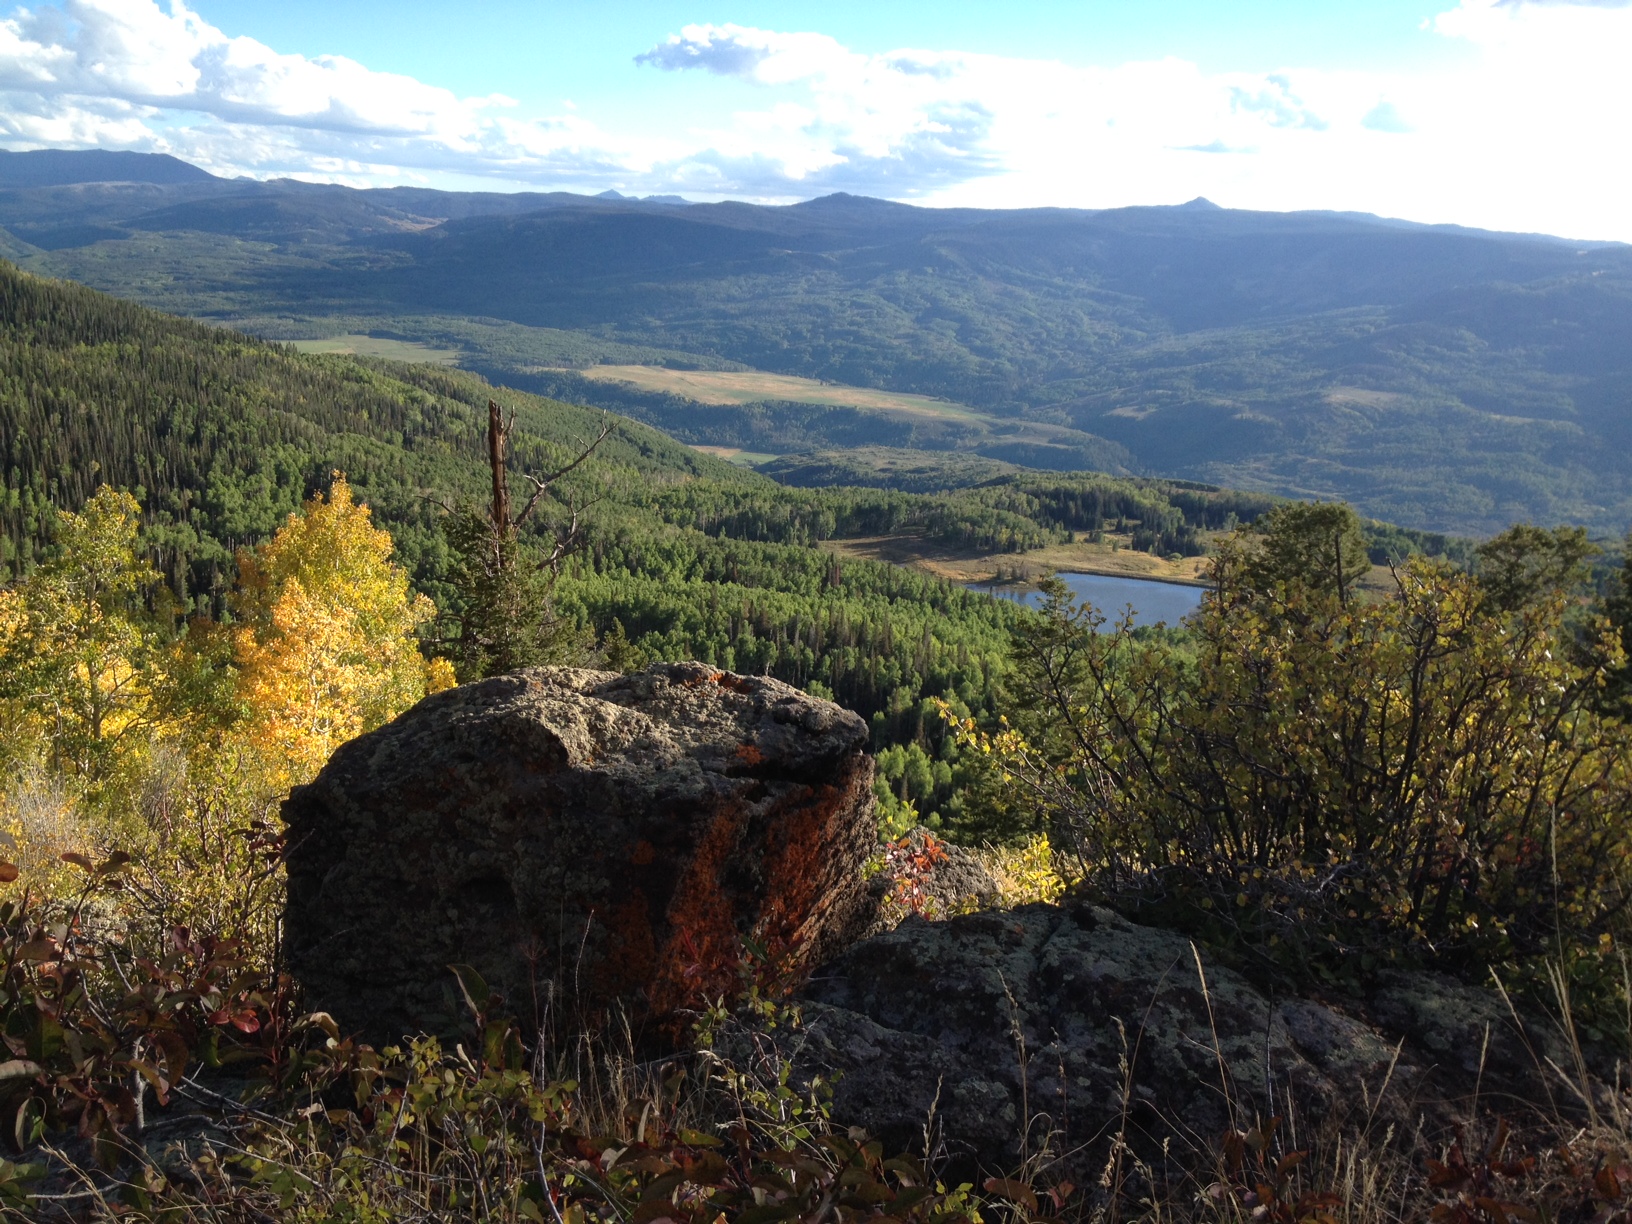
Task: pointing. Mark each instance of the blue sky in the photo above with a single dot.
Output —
(1504, 113)
(536, 50)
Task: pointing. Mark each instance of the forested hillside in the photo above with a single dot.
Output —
(220, 437)
(1442, 378)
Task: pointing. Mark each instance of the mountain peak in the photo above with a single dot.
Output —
(1199, 204)
(849, 202)
(63, 167)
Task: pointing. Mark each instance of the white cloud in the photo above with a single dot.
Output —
(129, 74)
(1527, 128)
(1523, 124)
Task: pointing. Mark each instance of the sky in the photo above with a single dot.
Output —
(1505, 114)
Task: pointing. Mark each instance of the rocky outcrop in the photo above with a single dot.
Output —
(1067, 1025)
(578, 835)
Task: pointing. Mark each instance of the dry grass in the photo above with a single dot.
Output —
(735, 454)
(376, 346)
(752, 386)
(733, 387)
(39, 823)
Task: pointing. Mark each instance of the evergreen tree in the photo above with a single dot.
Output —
(506, 618)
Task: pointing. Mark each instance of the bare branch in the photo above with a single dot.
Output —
(541, 485)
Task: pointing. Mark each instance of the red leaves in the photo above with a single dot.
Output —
(908, 863)
(1493, 1187)
(78, 1047)
(1268, 1187)
(243, 1019)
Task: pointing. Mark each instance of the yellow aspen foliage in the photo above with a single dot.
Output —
(325, 645)
(78, 651)
(1025, 873)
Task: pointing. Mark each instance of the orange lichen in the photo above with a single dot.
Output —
(700, 953)
(800, 867)
(801, 884)
(691, 953)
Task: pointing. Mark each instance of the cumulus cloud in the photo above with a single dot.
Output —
(1522, 124)
(132, 52)
(130, 74)
(1523, 127)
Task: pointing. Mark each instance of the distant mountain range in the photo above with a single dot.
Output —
(62, 167)
(1437, 376)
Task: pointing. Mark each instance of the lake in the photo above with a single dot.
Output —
(1152, 601)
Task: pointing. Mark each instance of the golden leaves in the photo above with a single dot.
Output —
(326, 649)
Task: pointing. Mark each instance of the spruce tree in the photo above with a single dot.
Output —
(506, 619)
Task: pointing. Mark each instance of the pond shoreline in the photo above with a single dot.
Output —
(1096, 573)
(1152, 600)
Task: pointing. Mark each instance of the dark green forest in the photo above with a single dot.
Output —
(221, 436)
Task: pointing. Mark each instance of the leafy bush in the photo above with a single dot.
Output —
(1335, 783)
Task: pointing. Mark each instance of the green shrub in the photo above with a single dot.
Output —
(1333, 783)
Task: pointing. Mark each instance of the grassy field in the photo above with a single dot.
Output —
(737, 388)
(735, 454)
(753, 386)
(1111, 557)
(375, 346)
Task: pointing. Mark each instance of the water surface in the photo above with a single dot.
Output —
(1152, 601)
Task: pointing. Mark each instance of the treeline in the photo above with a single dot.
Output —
(1009, 514)
(221, 436)
(1163, 516)
(981, 520)
(878, 638)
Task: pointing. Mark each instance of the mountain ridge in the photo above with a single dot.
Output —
(1437, 376)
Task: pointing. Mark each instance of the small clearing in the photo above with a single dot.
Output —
(735, 454)
(915, 552)
(378, 346)
(754, 386)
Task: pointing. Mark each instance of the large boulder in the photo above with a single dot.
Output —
(1063, 1027)
(581, 838)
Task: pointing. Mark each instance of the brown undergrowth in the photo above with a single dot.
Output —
(183, 1085)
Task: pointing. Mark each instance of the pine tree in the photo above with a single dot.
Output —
(506, 618)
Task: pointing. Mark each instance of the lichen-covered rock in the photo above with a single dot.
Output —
(1069, 1024)
(612, 836)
